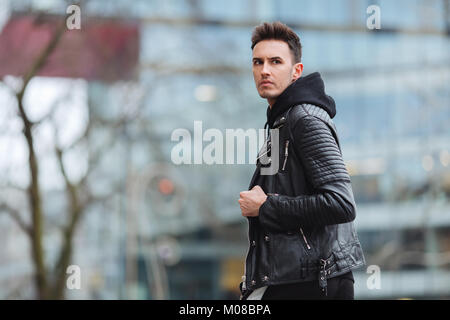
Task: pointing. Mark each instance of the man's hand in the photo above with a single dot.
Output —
(250, 201)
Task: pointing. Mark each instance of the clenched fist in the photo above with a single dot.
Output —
(250, 201)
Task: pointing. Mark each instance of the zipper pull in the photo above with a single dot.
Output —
(304, 238)
(286, 148)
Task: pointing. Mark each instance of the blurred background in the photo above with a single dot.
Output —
(86, 117)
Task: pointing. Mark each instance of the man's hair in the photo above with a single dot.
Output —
(278, 31)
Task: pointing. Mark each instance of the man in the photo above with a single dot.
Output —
(302, 241)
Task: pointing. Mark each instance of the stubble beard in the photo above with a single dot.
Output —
(267, 95)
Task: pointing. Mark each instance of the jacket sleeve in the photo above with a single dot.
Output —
(332, 201)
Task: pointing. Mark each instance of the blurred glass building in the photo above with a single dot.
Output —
(156, 230)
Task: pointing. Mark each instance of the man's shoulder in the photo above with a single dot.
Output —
(311, 124)
(306, 115)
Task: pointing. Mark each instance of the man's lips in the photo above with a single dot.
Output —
(266, 82)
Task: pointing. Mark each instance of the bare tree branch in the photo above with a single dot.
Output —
(76, 206)
(15, 215)
(75, 209)
(95, 157)
(34, 188)
(53, 108)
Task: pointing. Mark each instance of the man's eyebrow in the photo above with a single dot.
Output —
(271, 58)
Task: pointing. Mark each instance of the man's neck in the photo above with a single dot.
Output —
(271, 102)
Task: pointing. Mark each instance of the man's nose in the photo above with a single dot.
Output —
(265, 69)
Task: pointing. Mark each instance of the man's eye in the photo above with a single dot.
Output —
(256, 62)
(276, 61)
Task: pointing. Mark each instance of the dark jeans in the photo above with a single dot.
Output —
(340, 288)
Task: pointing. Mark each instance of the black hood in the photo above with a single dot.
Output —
(308, 89)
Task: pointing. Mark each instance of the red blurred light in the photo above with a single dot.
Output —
(165, 186)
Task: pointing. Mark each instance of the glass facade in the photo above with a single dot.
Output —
(393, 117)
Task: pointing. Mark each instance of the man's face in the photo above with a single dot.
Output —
(273, 68)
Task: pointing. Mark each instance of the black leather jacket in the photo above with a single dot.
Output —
(304, 230)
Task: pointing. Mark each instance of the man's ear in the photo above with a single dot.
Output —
(298, 70)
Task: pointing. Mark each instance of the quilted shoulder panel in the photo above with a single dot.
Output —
(318, 149)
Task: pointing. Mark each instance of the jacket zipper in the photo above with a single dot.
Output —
(304, 238)
(286, 148)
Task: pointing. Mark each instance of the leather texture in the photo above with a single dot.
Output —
(305, 228)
